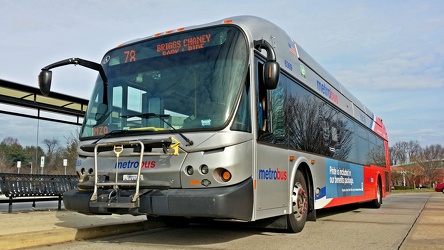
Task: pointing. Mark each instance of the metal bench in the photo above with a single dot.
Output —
(35, 187)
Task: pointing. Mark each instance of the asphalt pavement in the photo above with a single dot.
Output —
(39, 228)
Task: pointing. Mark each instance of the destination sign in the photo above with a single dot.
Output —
(168, 45)
(173, 47)
(186, 44)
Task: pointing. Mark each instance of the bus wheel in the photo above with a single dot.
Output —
(299, 198)
(376, 203)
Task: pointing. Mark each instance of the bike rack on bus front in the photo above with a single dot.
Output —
(170, 146)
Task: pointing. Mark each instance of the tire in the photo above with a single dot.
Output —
(442, 190)
(376, 203)
(299, 197)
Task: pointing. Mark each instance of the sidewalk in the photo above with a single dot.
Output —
(428, 231)
(36, 228)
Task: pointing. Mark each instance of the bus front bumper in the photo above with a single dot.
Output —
(233, 202)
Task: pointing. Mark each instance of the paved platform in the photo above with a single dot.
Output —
(37, 228)
(428, 231)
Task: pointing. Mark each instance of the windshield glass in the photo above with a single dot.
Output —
(186, 81)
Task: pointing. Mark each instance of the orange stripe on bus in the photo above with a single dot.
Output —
(194, 182)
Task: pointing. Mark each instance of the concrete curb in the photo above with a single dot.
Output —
(49, 237)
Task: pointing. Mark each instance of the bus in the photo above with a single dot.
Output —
(228, 120)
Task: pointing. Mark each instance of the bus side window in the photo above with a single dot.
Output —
(242, 120)
(262, 103)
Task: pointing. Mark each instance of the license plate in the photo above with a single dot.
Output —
(131, 177)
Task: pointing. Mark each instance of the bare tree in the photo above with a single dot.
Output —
(52, 154)
(405, 152)
(70, 151)
(430, 160)
(9, 141)
(51, 144)
(398, 152)
(413, 150)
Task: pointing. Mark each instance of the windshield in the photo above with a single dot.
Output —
(186, 81)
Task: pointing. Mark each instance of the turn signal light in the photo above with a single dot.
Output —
(225, 175)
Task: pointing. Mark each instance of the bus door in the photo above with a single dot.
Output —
(271, 159)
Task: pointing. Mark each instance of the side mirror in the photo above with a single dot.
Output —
(271, 74)
(45, 78)
(271, 67)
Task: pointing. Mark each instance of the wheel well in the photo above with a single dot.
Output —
(380, 181)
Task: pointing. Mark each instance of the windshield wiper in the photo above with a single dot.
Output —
(161, 117)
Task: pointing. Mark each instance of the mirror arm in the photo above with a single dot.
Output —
(82, 62)
(263, 44)
(271, 67)
(46, 73)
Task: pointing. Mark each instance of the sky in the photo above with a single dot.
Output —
(389, 54)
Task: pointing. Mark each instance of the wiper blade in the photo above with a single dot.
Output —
(161, 117)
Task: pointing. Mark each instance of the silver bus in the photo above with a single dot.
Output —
(226, 120)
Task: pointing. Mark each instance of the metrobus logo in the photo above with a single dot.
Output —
(327, 92)
(135, 164)
(272, 174)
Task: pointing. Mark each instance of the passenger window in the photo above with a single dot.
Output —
(262, 102)
(242, 121)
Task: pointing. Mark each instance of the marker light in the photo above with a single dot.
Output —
(228, 21)
(225, 175)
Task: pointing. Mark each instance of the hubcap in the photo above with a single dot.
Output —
(299, 200)
(378, 193)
